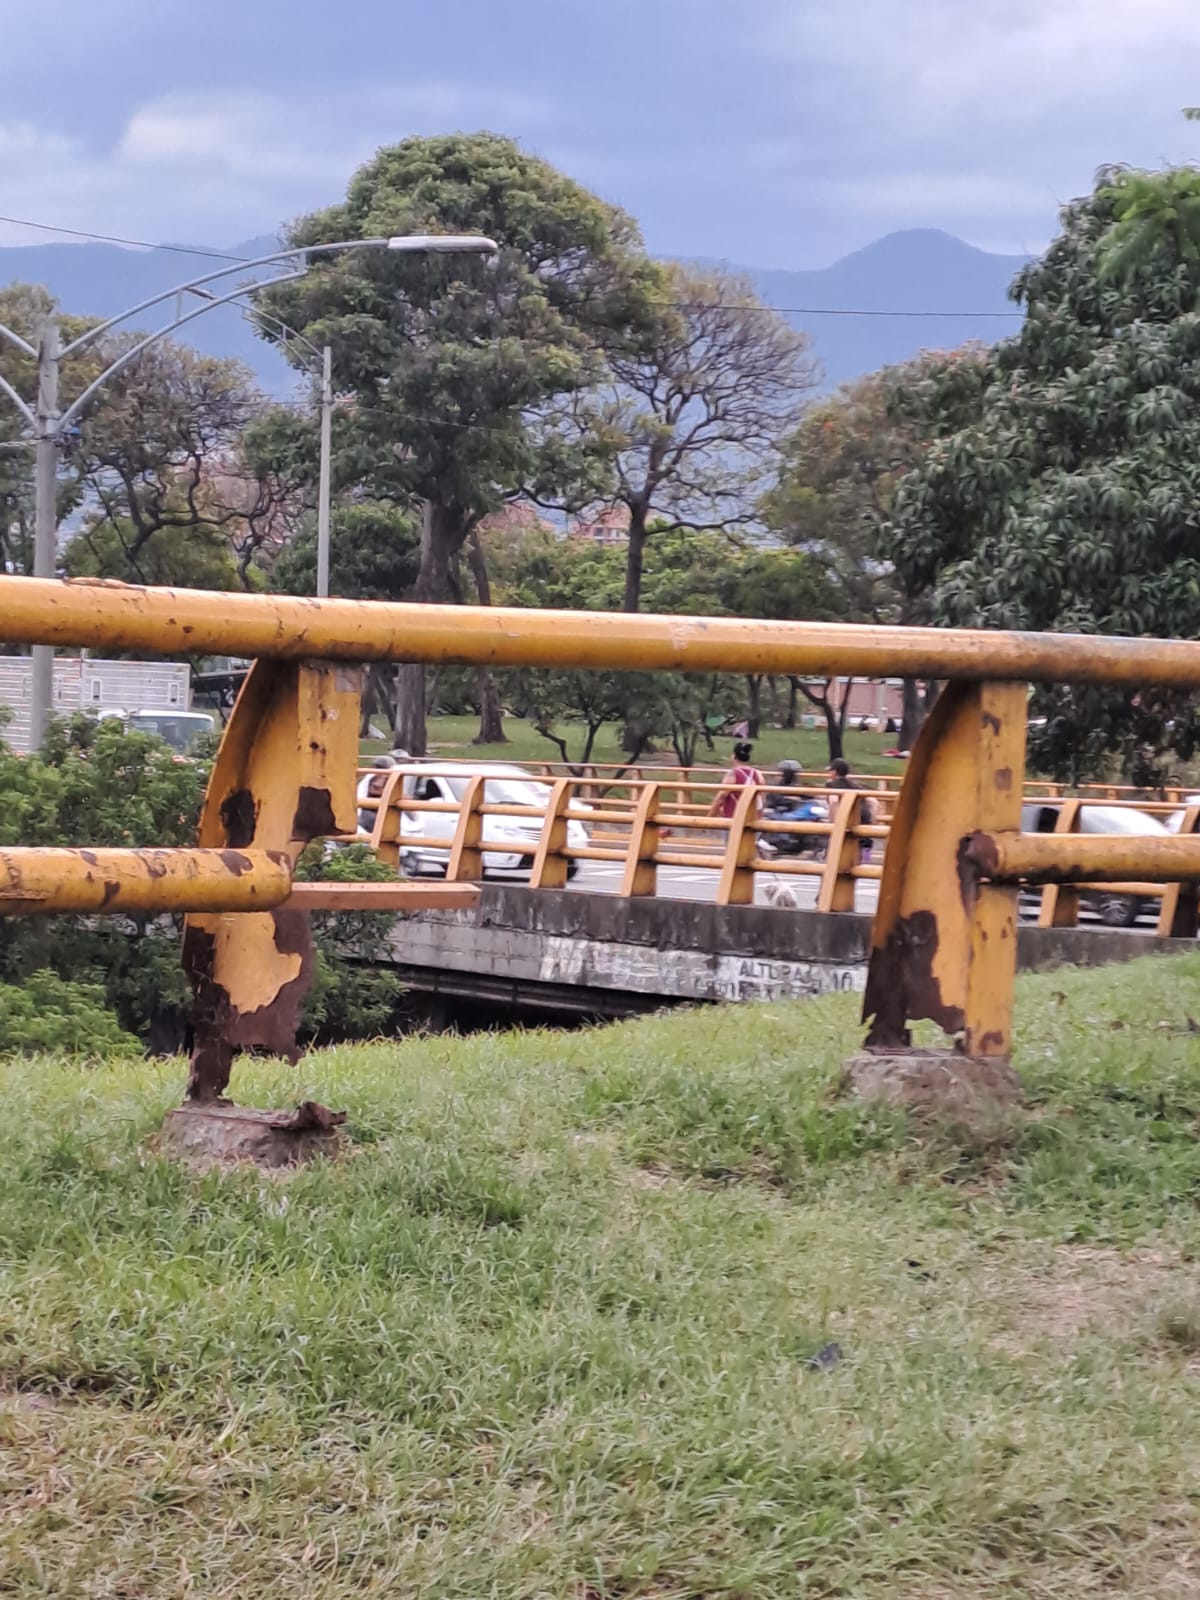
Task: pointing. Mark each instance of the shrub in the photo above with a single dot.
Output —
(48, 1013)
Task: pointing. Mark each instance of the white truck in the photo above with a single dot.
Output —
(153, 695)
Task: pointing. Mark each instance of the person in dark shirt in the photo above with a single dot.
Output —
(840, 778)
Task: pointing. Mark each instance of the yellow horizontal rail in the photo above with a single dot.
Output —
(1087, 858)
(115, 881)
(116, 616)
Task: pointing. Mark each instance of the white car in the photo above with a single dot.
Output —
(506, 786)
(1113, 909)
(1175, 820)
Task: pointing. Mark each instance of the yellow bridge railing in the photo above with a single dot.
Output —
(944, 936)
(639, 826)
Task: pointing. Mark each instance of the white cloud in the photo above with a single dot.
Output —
(983, 116)
(997, 60)
(214, 168)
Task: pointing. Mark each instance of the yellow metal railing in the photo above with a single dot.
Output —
(944, 933)
(646, 827)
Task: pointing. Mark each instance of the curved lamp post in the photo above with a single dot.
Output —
(48, 423)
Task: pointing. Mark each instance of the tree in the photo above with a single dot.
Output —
(374, 553)
(157, 452)
(1062, 491)
(452, 360)
(188, 556)
(690, 413)
(688, 573)
(834, 495)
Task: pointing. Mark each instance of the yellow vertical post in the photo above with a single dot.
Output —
(386, 830)
(944, 942)
(999, 750)
(466, 853)
(1059, 906)
(842, 854)
(550, 864)
(284, 775)
(736, 886)
(641, 863)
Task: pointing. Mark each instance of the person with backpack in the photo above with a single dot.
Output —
(741, 773)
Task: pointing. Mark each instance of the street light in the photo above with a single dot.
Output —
(48, 423)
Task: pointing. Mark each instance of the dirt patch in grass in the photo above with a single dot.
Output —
(1093, 1288)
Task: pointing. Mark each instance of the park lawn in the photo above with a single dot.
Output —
(451, 739)
(554, 1327)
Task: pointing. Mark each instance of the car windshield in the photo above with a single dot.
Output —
(178, 730)
(504, 791)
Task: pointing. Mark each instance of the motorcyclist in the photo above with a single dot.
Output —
(787, 777)
(782, 807)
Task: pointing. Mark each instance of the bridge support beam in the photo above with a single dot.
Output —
(284, 775)
(944, 945)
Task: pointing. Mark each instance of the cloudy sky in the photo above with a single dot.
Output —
(774, 132)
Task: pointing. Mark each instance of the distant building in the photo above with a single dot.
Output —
(516, 517)
(608, 527)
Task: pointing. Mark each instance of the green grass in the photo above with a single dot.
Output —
(546, 1330)
(450, 738)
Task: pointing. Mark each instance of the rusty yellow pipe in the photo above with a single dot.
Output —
(1085, 858)
(114, 616)
(113, 881)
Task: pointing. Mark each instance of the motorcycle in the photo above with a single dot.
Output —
(795, 808)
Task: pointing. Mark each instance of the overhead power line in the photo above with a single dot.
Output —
(678, 305)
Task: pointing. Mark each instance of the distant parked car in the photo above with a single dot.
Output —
(506, 786)
(1114, 910)
(179, 729)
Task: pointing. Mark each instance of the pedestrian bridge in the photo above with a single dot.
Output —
(657, 902)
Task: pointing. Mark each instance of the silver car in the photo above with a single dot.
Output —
(1114, 910)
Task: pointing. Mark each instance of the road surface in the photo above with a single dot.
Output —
(700, 883)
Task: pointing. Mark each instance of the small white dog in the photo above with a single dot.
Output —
(782, 896)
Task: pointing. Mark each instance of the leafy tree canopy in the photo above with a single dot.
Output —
(1061, 488)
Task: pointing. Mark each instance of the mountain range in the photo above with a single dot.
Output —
(909, 291)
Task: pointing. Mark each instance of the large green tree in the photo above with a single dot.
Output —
(1062, 490)
(452, 361)
(688, 572)
(834, 495)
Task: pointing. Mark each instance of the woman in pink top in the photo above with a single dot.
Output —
(739, 775)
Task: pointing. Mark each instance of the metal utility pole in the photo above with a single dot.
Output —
(323, 488)
(45, 531)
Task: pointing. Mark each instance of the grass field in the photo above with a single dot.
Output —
(450, 738)
(550, 1329)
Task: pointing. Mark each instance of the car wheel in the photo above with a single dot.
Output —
(1117, 910)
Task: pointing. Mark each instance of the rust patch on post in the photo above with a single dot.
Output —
(111, 890)
(1002, 778)
(901, 984)
(314, 817)
(221, 1028)
(239, 818)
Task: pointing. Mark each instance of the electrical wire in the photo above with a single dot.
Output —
(677, 305)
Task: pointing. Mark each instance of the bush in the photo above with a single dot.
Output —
(95, 783)
(47, 1013)
(349, 999)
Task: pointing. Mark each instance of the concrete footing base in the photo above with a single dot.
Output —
(935, 1081)
(208, 1134)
